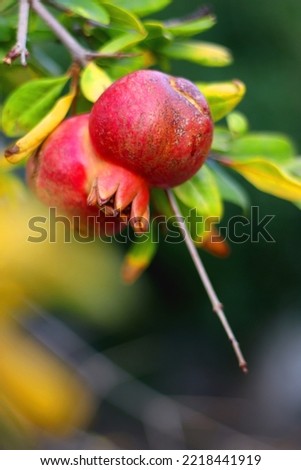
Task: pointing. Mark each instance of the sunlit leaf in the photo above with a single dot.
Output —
(237, 123)
(29, 103)
(203, 53)
(222, 97)
(122, 42)
(27, 144)
(139, 256)
(94, 81)
(268, 177)
(190, 27)
(201, 192)
(276, 147)
(124, 19)
(90, 10)
(229, 188)
(142, 7)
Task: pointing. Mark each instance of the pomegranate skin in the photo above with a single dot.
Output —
(156, 125)
(69, 175)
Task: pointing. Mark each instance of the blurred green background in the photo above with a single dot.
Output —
(169, 339)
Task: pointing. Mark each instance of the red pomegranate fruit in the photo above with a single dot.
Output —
(66, 173)
(153, 124)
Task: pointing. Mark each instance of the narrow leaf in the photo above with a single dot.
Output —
(6, 4)
(122, 42)
(142, 8)
(214, 243)
(268, 177)
(94, 81)
(230, 189)
(29, 103)
(91, 10)
(201, 192)
(222, 97)
(27, 144)
(139, 257)
(190, 27)
(203, 53)
(124, 19)
(222, 139)
(275, 147)
(237, 124)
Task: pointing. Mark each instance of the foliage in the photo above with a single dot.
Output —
(34, 107)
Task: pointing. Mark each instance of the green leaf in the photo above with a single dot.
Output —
(91, 10)
(94, 81)
(142, 7)
(6, 4)
(203, 53)
(294, 167)
(124, 19)
(143, 60)
(237, 123)
(139, 256)
(222, 139)
(122, 42)
(222, 97)
(29, 103)
(201, 192)
(190, 27)
(6, 31)
(230, 189)
(268, 177)
(275, 147)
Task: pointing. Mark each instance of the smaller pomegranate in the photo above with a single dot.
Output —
(68, 174)
(153, 124)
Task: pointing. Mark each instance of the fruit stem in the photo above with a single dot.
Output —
(19, 49)
(215, 302)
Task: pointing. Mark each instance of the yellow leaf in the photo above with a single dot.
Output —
(27, 144)
(222, 97)
(39, 386)
(268, 177)
(94, 81)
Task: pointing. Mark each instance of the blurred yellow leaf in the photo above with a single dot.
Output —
(94, 81)
(27, 144)
(222, 97)
(41, 388)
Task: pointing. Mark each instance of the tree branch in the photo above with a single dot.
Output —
(215, 302)
(19, 49)
(78, 52)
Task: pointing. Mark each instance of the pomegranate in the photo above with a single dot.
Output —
(153, 124)
(68, 174)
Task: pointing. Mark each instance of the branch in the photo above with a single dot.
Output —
(19, 49)
(215, 302)
(78, 52)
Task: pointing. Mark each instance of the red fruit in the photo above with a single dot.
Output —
(153, 124)
(66, 173)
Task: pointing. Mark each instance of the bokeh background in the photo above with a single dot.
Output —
(149, 366)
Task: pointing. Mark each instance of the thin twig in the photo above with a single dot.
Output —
(19, 49)
(79, 53)
(216, 304)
